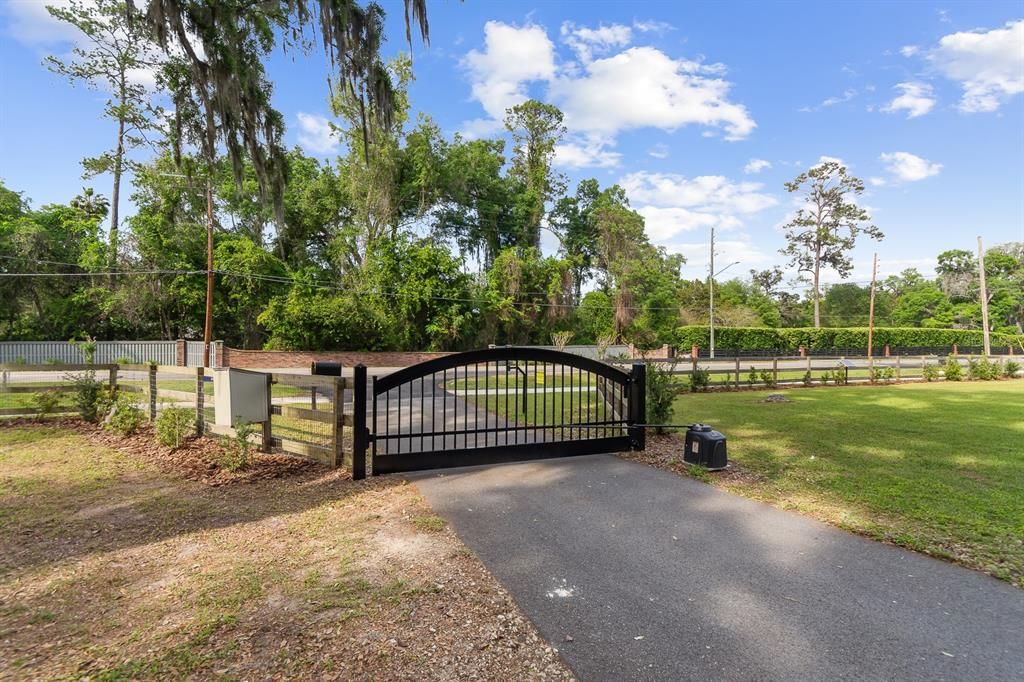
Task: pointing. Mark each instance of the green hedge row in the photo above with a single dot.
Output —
(790, 339)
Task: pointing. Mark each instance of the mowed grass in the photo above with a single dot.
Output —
(938, 468)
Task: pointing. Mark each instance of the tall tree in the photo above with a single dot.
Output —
(114, 55)
(219, 77)
(536, 128)
(825, 229)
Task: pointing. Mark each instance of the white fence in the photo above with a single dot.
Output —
(107, 352)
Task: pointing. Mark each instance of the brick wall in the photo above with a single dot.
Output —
(257, 359)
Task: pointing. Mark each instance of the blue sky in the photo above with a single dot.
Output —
(702, 111)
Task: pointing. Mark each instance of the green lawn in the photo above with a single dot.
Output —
(935, 467)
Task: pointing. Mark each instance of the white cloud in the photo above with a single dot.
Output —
(989, 65)
(658, 151)
(847, 95)
(316, 135)
(877, 182)
(825, 159)
(672, 204)
(586, 42)
(909, 167)
(512, 57)
(635, 88)
(909, 50)
(644, 87)
(739, 247)
(915, 98)
(31, 24)
(589, 152)
(652, 26)
(756, 166)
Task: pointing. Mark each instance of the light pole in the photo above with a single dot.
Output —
(711, 293)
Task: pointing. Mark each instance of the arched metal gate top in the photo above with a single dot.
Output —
(495, 405)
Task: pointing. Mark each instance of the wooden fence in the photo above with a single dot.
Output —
(736, 373)
(306, 413)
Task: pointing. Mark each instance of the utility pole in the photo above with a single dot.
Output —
(208, 330)
(984, 298)
(711, 295)
(871, 306)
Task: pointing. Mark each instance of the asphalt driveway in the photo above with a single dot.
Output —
(636, 573)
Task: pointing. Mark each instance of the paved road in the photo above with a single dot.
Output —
(658, 577)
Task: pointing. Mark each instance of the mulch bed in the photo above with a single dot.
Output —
(665, 451)
(198, 459)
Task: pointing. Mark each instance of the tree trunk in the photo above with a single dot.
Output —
(116, 195)
(817, 290)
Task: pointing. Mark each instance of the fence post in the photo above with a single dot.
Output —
(152, 392)
(312, 397)
(113, 378)
(268, 431)
(737, 372)
(638, 405)
(360, 434)
(200, 400)
(775, 371)
(899, 370)
(339, 421)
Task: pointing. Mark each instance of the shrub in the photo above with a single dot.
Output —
(839, 375)
(826, 377)
(882, 374)
(952, 369)
(752, 376)
(87, 395)
(238, 450)
(661, 392)
(123, 360)
(808, 379)
(929, 371)
(700, 378)
(124, 417)
(788, 340)
(989, 370)
(45, 402)
(174, 425)
(1010, 368)
(767, 378)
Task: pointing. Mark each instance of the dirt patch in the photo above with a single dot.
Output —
(135, 562)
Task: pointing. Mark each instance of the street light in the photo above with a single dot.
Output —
(711, 292)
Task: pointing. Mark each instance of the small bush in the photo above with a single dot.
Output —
(839, 375)
(124, 417)
(87, 395)
(882, 374)
(826, 377)
(661, 392)
(930, 372)
(700, 378)
(952, 369)
(238, 451)
(123, 360)
(767, 378)
(752, 376)
(45, 402)
(983, 369)
(808, 379)
(1010, 368)
(174, 425)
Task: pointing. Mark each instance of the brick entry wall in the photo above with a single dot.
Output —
(261, 359)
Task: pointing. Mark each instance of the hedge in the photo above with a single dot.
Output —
(831, 338)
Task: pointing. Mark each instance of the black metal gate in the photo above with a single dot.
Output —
(495, 405)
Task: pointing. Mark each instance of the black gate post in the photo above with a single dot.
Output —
(360, 435)
(638, 405)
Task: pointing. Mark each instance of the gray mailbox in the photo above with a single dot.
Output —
(240, 394)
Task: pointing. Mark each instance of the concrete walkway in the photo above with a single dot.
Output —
(638, 574)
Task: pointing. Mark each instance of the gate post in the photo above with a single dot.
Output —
(360, 435)
(638, 405)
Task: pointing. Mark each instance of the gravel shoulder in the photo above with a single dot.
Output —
(120, 559)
